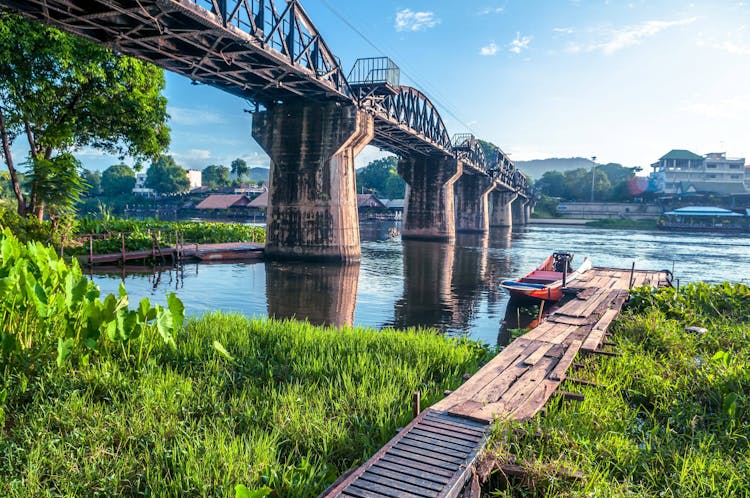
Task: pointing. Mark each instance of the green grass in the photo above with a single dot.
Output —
(285, 404)
(616, 223)
(672, 415)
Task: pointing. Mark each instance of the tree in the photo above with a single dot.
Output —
(166, 177)
(62, 93)
(117, 180)
(93, 180)
(381, 177)
(215, 176)
(553, 184)
(239, 168)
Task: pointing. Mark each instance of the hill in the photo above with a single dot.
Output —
(259, 173)
(537, 167)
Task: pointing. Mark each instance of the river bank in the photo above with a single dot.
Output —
(669, 416)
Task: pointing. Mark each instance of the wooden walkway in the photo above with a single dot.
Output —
(434, 455)
(205, 252)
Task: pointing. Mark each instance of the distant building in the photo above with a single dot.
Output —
(681, 171)
(196, 178)
(221, 201)
(140, 185)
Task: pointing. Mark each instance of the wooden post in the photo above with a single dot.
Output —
(565, 272)
(122, 240)
(91, 249)
(541, 311)
(415, 403)
(632, 271)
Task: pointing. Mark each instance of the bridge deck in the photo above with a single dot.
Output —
(433, 456)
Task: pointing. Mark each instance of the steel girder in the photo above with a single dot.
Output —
(266, 51)
(249, 48)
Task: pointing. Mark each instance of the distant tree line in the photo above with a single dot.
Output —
(612, 182)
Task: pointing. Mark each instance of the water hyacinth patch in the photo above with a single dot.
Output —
(50, 309)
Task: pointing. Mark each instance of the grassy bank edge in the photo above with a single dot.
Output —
(670, 416)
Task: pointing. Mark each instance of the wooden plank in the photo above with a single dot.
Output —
(440, 444)
(434, 462)
(444, 418)
(417, 465)
(417, 448)
(558, 373)
(517, 393)
(399, 475)
(567, 320)
(536, 332)
(471, 433)
(375, 490)
(537, 355)
(491, 392)
(439, 433)
(558, 335)
(492, 369)
(369, 478)
(593, 341)
(420, 474)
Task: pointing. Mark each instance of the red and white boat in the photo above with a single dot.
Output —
(546, 281)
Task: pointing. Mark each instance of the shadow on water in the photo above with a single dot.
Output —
(325, 294)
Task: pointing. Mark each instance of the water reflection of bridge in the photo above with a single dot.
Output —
(443, 284)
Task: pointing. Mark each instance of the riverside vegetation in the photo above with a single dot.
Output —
(670, 417)
(97, 399)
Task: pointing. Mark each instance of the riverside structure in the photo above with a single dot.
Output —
(310, 118)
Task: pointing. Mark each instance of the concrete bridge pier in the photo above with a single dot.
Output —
(312, 202)
(527, 211)
(501, 212)
(519, 211)
(429, 208)
(472, 207)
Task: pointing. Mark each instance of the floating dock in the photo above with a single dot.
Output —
(435, 454)
(231, 251)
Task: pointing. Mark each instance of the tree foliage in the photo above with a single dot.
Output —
(62, 93)
(381, 178)
(166, 177)
(239, 168)
(93, 181)
(117, 180)
(216, 176)
(610, 183)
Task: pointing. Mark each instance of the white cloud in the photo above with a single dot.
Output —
(408, 20)
(192, 117)
(730, 108)
(490, 49)
(491, 10)
(192, 158)
(618, 39)
(566, 31)
(520, 44)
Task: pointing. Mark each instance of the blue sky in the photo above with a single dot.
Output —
(624, 81)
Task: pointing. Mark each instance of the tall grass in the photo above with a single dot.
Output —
(672, 417)
(259, 403)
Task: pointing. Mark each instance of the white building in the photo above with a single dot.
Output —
(140, 185)
(196, 178)
(681, 171)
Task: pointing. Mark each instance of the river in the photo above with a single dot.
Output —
(453, 287)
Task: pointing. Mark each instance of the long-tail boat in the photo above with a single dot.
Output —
(546, 282)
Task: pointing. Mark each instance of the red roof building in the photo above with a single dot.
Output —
(222, 201)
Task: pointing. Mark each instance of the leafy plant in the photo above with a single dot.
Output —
(49, 307)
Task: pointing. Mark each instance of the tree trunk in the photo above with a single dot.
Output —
(11, 167)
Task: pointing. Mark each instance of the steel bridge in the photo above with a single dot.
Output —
(270, 53)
